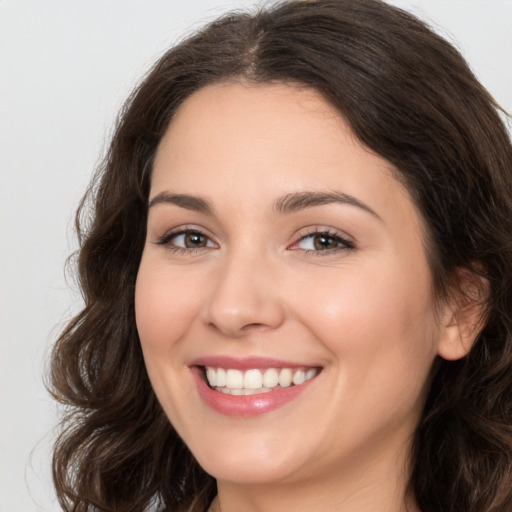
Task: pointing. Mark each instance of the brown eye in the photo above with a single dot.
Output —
(186, 240)
(323, 241)
(193, 240)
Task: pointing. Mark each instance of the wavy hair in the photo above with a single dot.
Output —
(410, 97)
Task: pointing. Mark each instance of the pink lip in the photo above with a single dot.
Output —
(247, 363)
(244, 405)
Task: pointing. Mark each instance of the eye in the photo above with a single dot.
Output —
(190, 240)
(186, 239)
(322, 241)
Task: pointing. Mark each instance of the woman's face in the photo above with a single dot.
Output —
(281, 250)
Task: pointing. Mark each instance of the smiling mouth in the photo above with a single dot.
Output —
(255, 381)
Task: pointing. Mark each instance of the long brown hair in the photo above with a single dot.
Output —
(410, 97)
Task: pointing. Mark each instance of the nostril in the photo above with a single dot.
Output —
(258, 326)
(237, 330)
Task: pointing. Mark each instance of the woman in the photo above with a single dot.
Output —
(297, 278)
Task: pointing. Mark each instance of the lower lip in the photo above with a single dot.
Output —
(246, 405)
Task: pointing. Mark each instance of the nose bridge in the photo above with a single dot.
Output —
(244, 293)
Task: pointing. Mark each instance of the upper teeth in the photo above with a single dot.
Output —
(256, 379)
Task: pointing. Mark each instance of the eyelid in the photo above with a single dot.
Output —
(183, 230)
(348, 243)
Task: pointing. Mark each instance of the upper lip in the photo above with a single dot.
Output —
(247, 363)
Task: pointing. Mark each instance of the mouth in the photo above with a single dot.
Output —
(251, 387)
(254, 381)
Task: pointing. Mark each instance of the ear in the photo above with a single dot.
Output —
(463, 315)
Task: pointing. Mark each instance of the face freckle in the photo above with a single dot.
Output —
(335, 281)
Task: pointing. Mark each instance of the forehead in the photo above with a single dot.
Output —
(247, 144)
(257, 120)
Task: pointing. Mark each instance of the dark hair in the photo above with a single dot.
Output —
(410, 97)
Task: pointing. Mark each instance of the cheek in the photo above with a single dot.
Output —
(381, 337)
(164, 306)
(374, 318)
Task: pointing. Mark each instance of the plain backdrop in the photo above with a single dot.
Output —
(65, 68)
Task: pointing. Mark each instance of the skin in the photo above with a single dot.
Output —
(364, 313)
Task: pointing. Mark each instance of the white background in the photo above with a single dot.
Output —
(65, 68)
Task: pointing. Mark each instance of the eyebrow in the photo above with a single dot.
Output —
(184, 201)
(301, 200)
(284, 205)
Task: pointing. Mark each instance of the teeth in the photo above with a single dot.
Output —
(299, 377)
(211, 376)
(254, 381)
(234, 379)
(285, 377)
(221, 377)
(271, 378)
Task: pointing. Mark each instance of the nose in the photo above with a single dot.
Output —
(244, 298)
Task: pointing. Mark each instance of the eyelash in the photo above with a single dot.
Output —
(344, 243)
(168, 237)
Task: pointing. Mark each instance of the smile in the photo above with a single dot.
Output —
(251, 386)
(232, 381)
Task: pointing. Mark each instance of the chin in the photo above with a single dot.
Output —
(245, 472)
(255, 466)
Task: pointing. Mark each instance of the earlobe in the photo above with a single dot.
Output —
(456, 340)
(464, 315)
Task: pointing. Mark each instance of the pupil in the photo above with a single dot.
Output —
(195, 240)
(325, 242)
